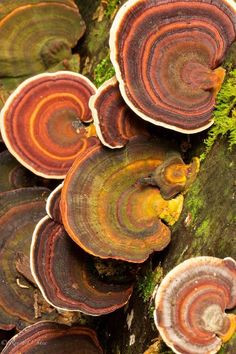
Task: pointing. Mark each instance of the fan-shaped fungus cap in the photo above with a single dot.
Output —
(42, 122)
(36, 35)
(173, 175)
(13, 175)
(67, 277)
(165, 54)
(20, 210)
(190, 305)
(49, 337)
(115, 122)
(104, 208)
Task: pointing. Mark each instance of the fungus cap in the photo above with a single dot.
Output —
(165, 55)
(105, 209)
(67, 276)
(190, 305)
(43, 122)
(20, 210)
(36, 35)
(50, 337)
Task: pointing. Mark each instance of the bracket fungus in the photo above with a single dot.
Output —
(67, 276)
(49, 337)
(190, 305)
(43, 122)
(115, 122)
(20, 210)
(107, 212)
(166, 56)
(35, 35)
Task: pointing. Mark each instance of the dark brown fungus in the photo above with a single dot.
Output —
(20, 210)
(48, 337)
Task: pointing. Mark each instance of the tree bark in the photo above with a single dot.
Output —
(206, 227)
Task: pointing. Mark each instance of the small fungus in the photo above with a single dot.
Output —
(173, 175)
(190, 305)
(43, 122)
(166, 55)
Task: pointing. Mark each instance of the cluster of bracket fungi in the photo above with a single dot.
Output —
(123, 184)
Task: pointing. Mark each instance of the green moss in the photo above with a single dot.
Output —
(203, 229)
(112, 6)
(147, 284)
(194, 201)
(103, 71)
(224, 115)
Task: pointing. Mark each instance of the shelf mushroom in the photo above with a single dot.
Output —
(67, 276)
(20, 210)
(190, 305)
(115, 122)
(44, 122)
(166, 56)
(36, 35)
(107, 212)
(50, 337)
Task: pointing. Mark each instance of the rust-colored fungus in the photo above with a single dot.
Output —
(67, 276)
(53, 204)
(190, 305)
(43, 121)
(49, 337)
(107, 211)
(20, 210)
(115, 122)
(35, 35)
(166, 56)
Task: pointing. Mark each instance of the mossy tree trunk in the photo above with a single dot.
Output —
(207, 225)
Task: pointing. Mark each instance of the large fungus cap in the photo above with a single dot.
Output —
(165, 54)
(36, 35)
(115, 122)
(190, 305)
(67, 276)
(104, 207)
(20, 211)
(42, 122)
(48, 337)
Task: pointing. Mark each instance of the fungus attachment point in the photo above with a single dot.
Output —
(105, 209)
(166, 55)
(173, 175)
(43, 122)
(190, 305)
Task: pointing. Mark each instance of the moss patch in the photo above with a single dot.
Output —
(103, 71)
(224, 115)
